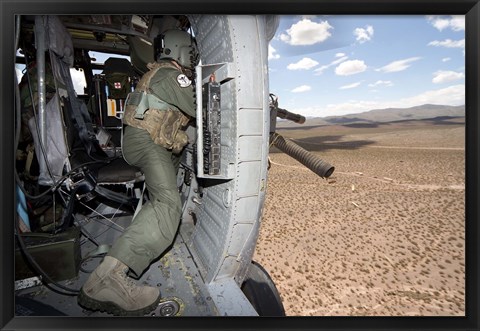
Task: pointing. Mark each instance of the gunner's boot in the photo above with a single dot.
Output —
(109, 289)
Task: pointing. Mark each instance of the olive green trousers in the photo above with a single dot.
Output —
(153, 229)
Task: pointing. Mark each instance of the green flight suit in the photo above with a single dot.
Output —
(153, 229)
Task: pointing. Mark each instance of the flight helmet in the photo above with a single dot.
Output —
(177, 45)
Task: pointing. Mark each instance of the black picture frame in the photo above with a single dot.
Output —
(470, 8)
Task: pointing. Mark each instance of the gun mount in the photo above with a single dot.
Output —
(311, 161)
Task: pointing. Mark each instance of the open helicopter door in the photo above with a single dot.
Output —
(208, 270)
(223, 207)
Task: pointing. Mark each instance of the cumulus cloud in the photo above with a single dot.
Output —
(452, 95)
(350, 67)
(303, 88)
(399, 65)
(304, 64)
(449, 43)
(446, 76)
(363, 34)
(350, 86)
(272, 53)
(456, 22)
(306, 32)
(446, 59)
(381, 83)
(340, 55)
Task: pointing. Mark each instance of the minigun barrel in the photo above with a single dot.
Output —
(311, 161)
(285, 114)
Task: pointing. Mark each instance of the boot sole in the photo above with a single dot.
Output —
(112, 308)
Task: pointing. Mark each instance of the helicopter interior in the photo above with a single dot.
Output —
(76, 194)
(81, 193)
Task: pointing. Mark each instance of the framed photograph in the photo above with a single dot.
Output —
(279, 165)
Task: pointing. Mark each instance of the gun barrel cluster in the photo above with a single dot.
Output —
(285, 114)
(311, 161)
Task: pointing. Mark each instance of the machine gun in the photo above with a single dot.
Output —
(311, 161)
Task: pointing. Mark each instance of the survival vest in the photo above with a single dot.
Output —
(163, 121)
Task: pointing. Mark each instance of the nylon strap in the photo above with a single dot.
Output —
(142, 98)
(144, 101)
(79, 111)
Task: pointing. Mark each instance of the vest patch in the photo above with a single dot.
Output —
(183, 81)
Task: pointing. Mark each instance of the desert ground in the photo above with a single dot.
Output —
(383, 236)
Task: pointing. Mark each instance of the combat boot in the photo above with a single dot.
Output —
(110, 290)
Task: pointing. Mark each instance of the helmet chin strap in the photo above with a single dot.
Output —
(176, 64)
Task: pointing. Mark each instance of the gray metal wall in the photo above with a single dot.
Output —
(228, 219)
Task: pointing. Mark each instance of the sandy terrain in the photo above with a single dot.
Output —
(384, 236)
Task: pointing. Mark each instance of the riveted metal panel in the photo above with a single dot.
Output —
(250, 148)
(250, 122)
(244, 211)
(214, 41)
(222, 291)
(228, 216)
(249, 185)
(239, 233)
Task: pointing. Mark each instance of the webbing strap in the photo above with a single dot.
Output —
(144, 101)
(143, 98)
(79, 111)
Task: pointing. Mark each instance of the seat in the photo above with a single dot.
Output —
(96, 170)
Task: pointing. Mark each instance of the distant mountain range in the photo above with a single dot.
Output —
(424, 112)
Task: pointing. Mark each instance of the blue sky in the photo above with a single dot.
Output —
(336, 65)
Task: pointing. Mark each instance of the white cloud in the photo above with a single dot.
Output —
(351, 67)
(441, 77)
(306, 32)
(456, 23)
(342, 58)
(446, 59)
(452, 95)
(350, 107)
(449, 43)
(439, 23)
(300, 89)
(272, 53)
(320, 70)
(350, 86)
(381, 83)
(399, 65)
(363, 34)
(304, 64)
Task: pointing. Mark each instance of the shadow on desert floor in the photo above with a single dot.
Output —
(383, 236)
